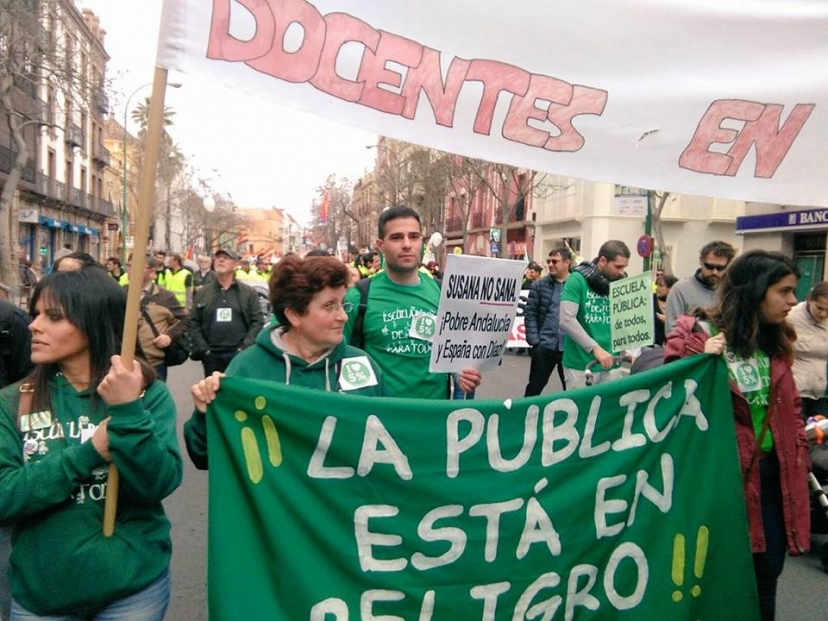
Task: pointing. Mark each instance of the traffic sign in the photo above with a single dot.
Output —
(644, 246)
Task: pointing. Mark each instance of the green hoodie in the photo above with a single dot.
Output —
(52, 490)
(268, 360)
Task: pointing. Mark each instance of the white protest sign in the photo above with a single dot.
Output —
(517, 337)
(478, 302)
(631, 312)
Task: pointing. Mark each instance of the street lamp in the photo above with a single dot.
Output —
(124, 212)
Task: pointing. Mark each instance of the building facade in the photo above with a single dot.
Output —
(61, 201)
(263, 235)
(69, 206)
(799, 232)
(585, 214)
(365, 207)
(497, 212)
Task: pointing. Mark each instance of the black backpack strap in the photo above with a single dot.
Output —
(148, 319)
(358, 333)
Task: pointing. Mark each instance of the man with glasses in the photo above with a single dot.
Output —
(699, 290)
(541, 319)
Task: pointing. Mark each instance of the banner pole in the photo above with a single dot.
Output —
(146, 199)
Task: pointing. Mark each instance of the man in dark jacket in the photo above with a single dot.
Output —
(541, 319)
(15, 364)
(15, 344)
(226, 316)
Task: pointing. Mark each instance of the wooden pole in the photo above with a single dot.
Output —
(146, 199)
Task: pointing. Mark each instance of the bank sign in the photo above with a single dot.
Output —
(786, 220)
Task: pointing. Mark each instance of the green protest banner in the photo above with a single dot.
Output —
(621, 501)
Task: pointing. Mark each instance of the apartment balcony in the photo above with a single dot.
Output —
(27, 84)
(100, 205)
(7, 161)
(73, 135)
(453, 225)
(100, 155)
(77, 197)
(101, 101)
(46, 186)
(58, 191)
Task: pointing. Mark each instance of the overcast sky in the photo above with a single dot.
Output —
(261, 154)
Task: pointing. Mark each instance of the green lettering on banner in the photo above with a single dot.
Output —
(621, 501)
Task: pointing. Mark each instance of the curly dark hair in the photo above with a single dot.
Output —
(740, 294)
(295, 281)
(718, 248)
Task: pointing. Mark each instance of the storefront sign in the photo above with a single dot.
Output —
(786, 220)
(27, 215)
(630, 205)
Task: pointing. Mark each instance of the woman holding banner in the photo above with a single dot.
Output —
(305, 347)
(80, 409)
(749, 329)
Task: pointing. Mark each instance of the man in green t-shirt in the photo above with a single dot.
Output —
(397, 295)
(585, 314)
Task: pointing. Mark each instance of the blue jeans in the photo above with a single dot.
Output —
(150, 604)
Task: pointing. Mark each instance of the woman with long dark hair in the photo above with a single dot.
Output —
(79, 410)
(749, 328)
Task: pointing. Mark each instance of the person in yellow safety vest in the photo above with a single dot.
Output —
(247, 271)
(359, 264)
(113, 267)
(179, 281)
(162, 271)
(264, 269)
(243, 270)
(659, 272)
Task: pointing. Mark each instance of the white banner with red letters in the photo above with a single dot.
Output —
(702, 97)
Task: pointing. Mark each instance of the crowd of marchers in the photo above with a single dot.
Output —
(71, 406)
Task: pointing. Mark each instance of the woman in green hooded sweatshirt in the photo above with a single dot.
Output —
(305, 348)
(59, 430)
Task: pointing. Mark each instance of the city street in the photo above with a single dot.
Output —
(802, 593)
